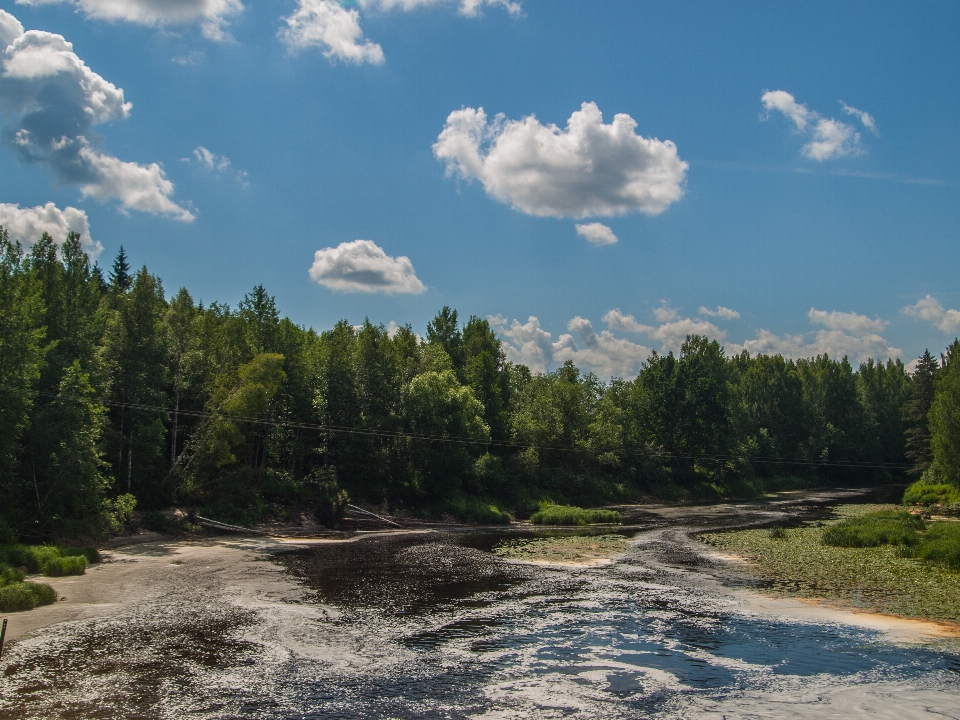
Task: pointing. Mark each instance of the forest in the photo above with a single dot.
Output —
(116, 396)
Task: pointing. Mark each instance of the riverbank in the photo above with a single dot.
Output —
(794, 563)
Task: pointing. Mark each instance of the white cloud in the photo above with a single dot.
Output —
(586, 169)
(664, 313)
(55, 101)
(616, 320)
(866, 118)
(850, 334)
(10, 29)
(724, 313)
(596, 233)
(28, 224)
(930, 309)
(213, 163)
(672, 334)
(211, 15)
(362, 266)
(829, 138)
(470, 8)
(336, 30)
(604, 354)
(846, 321)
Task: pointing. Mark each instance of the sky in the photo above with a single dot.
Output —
(598, 179)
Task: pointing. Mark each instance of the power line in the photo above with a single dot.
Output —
(462, 440)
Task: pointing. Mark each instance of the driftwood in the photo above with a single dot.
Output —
(354, 508)
(207, 522)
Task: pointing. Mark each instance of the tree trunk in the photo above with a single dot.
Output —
(173, 429)
(130, 459)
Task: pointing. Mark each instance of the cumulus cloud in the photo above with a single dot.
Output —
(864, 117)
(845, 334)
(362, 266)
(828, 138)
(930, 310)
(327, 25)
(210, 15)
(604, 354)
(846, 321)
(616, 320)
(52, 102)
(596, 233)
(26, 225)
(664, 313)
(724, 313)
(586, 169)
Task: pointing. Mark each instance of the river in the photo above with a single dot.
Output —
(433, 625)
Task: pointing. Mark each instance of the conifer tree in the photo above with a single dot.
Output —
(917, 411)
(120, 278)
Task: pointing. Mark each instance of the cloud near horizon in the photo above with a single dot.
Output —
(828, 138)
(210, 15)
(930, 309)
(26, 225)
(54, 101)
(843, 334)
(363, 266)
(586, 169)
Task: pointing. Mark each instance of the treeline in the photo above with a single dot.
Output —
(111, 393)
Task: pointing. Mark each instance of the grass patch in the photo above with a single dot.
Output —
(471, 509)
(571, 515)
(881, 577)
(49, 560)
(940, 545)
(561, 550)
(924, 493)
(25, 596)
(885, 527)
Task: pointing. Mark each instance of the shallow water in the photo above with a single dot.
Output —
(435, 626)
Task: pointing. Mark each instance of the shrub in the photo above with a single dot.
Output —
(570, 515)
(48, 559)
(887, 527)
(9, 575)
(925, 493)
(778, 533)
(941, 545)
(473, 509)
(25, 596)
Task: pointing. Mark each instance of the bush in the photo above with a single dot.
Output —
(887, 527)
(473, 509)
(778, 533)
(25, 596)
(925, 493)
(9, 575)
(48, 559)
(570, 515)
(941, 545)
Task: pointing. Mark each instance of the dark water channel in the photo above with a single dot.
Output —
(435, 626)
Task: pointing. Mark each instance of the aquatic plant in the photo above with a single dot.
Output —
(886, 527)
(571, 515)
(940, 545)
(778, 533)
(472, 509)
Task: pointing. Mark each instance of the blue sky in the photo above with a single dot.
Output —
(781, 176)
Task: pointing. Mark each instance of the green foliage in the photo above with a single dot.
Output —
(925, 493)
(940, 545)
(886, 527)
(20, 596)
(118, 511)
(48, 560)
(472, 509)
(778, 533)
(944, 417)
(571, 515)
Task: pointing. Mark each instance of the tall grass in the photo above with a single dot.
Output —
(49, 560)
(925, 493)
(25, 596)
(887, 527)
(471, 509)
(571, 515)
(940, 545)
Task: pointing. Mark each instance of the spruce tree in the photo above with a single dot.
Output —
(120, 278)
(916, 414)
